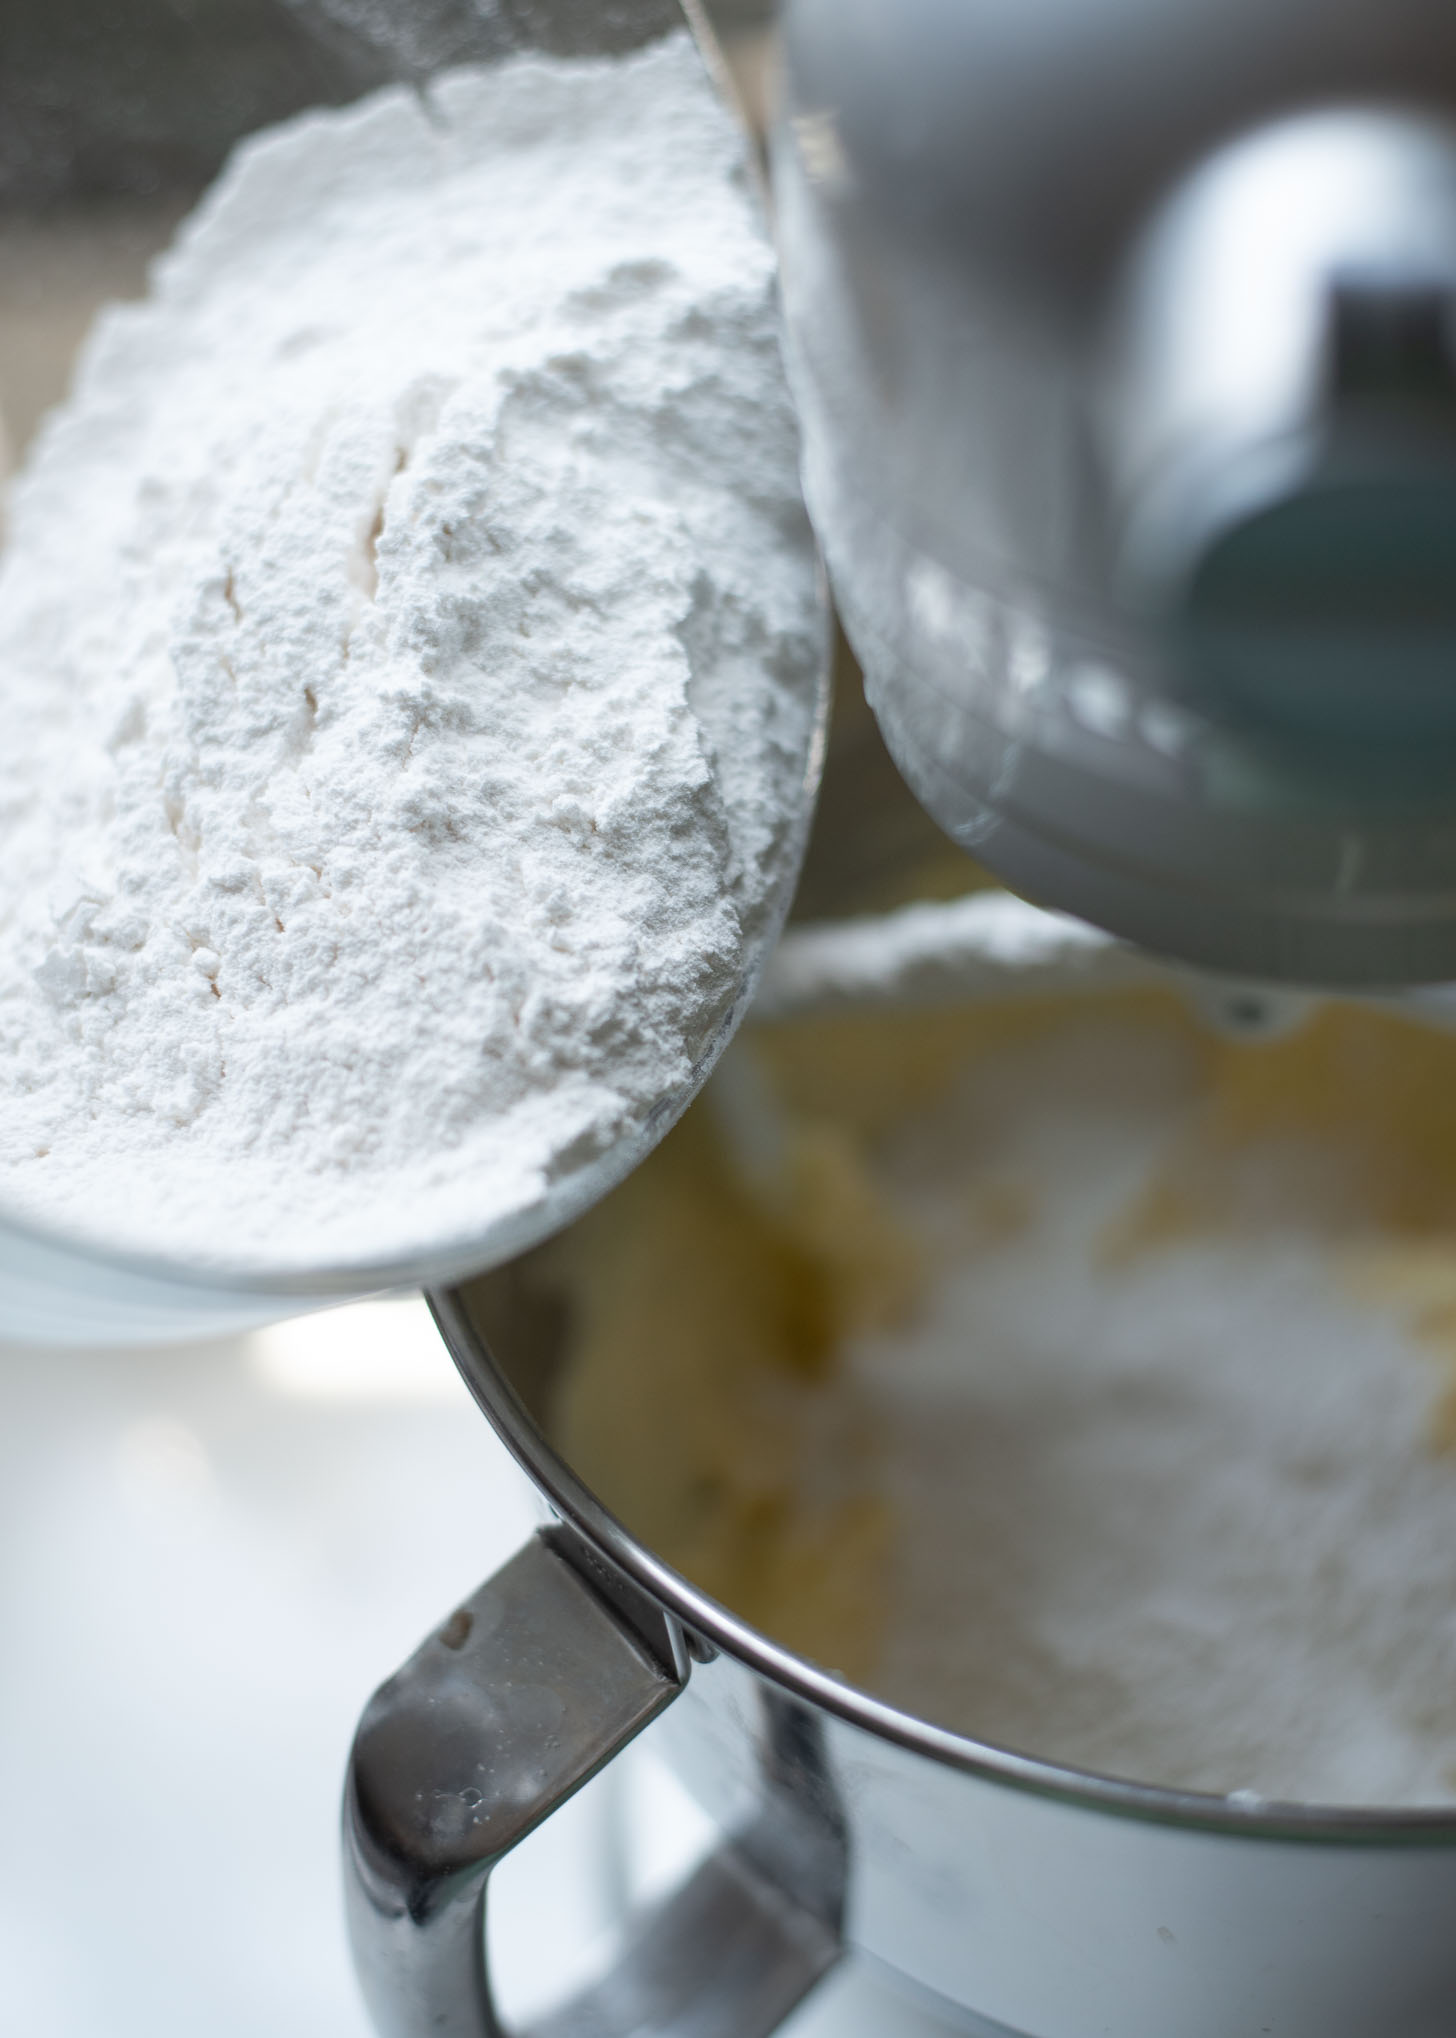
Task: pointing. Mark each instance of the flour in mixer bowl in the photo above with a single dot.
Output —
(1083, 1382)
(408, 644)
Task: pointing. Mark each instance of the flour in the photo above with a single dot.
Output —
(1080, 1381)
(1174, 1513)
(983, 945)
(408, 636)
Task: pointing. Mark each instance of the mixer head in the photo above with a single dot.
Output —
(1124, 339)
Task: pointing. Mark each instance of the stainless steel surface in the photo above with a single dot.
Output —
(84, 127)
(1122, 339)
(1020, 1896)
(520, 1697)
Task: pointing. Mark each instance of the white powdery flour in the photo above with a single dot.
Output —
(1177, 1518)
(408, 639)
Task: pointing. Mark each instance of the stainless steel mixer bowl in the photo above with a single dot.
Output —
(111, 122)
(1025, 1899)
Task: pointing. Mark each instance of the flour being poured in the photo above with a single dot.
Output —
(408, 636)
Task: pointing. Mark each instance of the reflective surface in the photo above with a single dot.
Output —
(1151, 589)
(525, 1691)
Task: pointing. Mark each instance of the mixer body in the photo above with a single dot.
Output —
(1122, 337)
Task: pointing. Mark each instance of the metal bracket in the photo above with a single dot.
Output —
(524, 1693)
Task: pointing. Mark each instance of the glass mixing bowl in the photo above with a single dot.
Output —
(112, 121)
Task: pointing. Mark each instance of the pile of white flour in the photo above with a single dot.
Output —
(408, 640)
(991, 1372)
(1176, 1517)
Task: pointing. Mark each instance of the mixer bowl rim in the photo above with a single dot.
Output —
(707, 1620)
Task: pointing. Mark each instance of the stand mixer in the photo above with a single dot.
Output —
(1123, 345)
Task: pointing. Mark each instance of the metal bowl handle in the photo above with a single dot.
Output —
(524, 1693)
